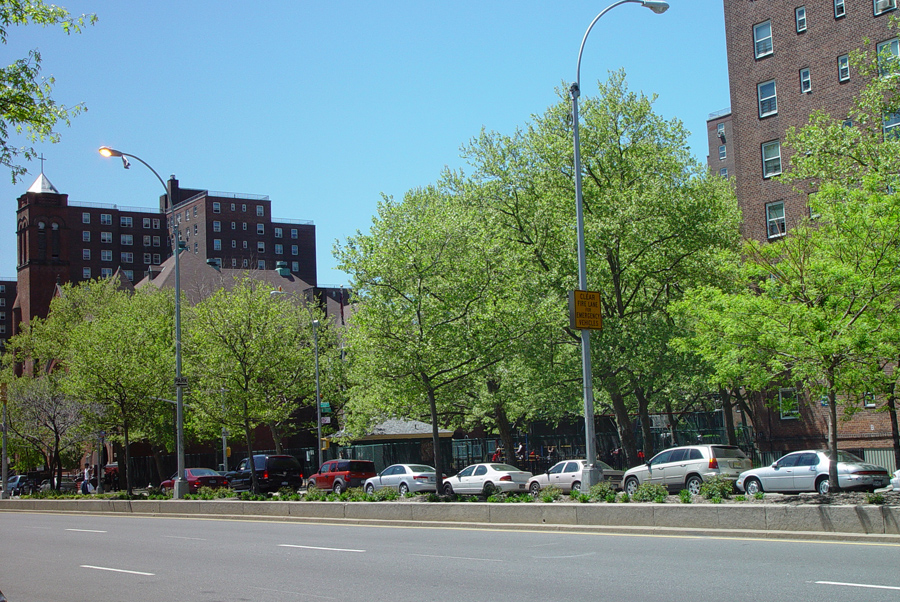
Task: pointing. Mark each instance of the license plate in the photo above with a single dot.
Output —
(213, 482)
(284, 482)
(521, 485)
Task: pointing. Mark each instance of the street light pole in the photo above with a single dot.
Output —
(315, 325)
(591, 475)
(4, 460)
(180, 488)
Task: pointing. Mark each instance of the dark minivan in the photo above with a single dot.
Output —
(272, 471)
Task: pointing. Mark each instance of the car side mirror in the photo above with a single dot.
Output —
(775, 465)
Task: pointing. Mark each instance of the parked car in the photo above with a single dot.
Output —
(272, 472)
(67, 484)
(404, 478)
(339, 475)
(687, 467)
(486, 479)
(895, 482)
(808, 471)
(196, 478)
(567, 476)
(19, 485)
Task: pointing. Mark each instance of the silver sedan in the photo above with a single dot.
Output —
(808, 471)
(486, 479)
(405, 478)
(567, 476)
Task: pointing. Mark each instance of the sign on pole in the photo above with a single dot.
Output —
(585, 311)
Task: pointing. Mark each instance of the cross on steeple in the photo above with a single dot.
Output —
(42, 158)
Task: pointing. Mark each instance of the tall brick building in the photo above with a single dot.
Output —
(787, 59)
(60, 241)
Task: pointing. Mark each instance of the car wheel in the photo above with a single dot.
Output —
(448, 489)
(338, 487)
(823, 486)
(310, 484)
(576, 486)
(631, 485)
(752, 486)
(535, 488)
(164, 490)
(693, 484)
(489, 489)
(370, 488)
(404, 488)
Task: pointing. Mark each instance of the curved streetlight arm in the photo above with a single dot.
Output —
(109, 152)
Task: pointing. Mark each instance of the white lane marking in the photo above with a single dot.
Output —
(457, 557)
(86, 531)
(555, 557)
(287, 545)
(106, 568)
(870, 586)
(179, 537)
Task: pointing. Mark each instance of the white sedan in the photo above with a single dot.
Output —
(404, 478)
(808, 471)
(567, 476)
(486, 479)
(895, 482)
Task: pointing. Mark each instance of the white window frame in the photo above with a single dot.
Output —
(776, 225)
(843, 62)
(127, 257)
(85, 236)
(723, 152)
(147, 240)
(762, 44)
(156, 241)
(85, 218)
(776, 144)
(106, 219)
(260, 212)
(279, 249)
(155, 224)
(217, 226)
(217, 244)
(129, 274)
(278, 232)
(891, 123)
(294, 233)
(126, 240)
(788, 413)
(723, 172)
(800, 18)
(770, 98)
(295, 266)
(148, 257)
(839, 9)
(295, 250)
(260, 229)
(146, 222)
(126, 221)
(879, 7)
(106, 255)
(261, 264)
(260, 247)
(217, 207)
(868, 400)
(893, 47)
(105, 272)
(85, 254)
(106, 237)
(86, 273)
(805, 81)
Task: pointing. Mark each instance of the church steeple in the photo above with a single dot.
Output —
(42, 185)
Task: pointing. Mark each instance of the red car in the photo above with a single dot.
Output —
(196, 478)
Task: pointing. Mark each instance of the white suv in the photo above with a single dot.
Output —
(687, 467)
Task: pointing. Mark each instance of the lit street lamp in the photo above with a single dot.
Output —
(180, 488)
(591, 474)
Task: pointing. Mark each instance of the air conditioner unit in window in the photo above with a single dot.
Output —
(883, 5)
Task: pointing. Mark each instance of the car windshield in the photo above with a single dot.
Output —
(728, 452)
(420, 468)
(604, 465)
(503, 468)
(845, 457)
(204, 472)
(283, 463)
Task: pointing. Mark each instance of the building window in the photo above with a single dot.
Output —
(295, 266)
(883, 6)
(126, 240)
(788, 404)
(843, 68)
(156, 241)
(2, 292)
(244, 208)
(723, 172)
(279, 249)
(147, 241)
(260, 247)
(293, 232)
(106, 219)
(106, 237)
(245, 263)
(195, 210)
(278, 232)
(245, 244)
(105, 272)
(217, 244)
(127, 257)
(775, 219)
(234, 244)
(156, 259)
(195, 229)
(891, 123)
(106, 255)
(85, 236)
(86, 273)
(129, 274)
(217, 226)
(260, 229)
(233, 207)
(887, 56)
(155, 224)
(261, 264)
(146, 222)
(771, 157)
(805, 82)
(244, 224)
(2, 302)
(196, 248)
(762, 39)
(295, 250)
(259, 211)
(187, 215)
(768, 101)
(839, 10)
(868, 400)
(125, 221)
(800, 17)
(147, 258)
(723, 153)
(86, 254)
(720, 131)
(85, 218)
(217, 208)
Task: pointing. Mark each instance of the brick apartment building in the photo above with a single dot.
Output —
(787, 59)
(60, 241)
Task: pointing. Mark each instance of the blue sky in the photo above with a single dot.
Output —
(325, 106)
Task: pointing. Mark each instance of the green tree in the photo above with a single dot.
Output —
(250, 355)
(26, 103)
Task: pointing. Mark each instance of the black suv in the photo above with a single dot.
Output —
(272, 472)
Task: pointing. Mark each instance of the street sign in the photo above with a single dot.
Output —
(325, 406)
(584, 310)
(181, 381)
(326, 419)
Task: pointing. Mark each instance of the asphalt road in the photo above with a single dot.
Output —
(70, 558)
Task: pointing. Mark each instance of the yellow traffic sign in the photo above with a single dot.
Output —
(584, 310)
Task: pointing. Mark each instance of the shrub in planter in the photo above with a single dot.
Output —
(685, 497)
(650, 492)
(717, 486)
(550, 494)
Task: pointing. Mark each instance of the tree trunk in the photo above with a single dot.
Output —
(895, 432)
(157, 451)
(277, 437)
(435, 438)
(623, 425)
(728, 415)
(504, 428)
(644, 416)
(129, 486)
(834, 485)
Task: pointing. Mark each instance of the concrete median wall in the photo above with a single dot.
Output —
(767, 518)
